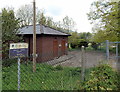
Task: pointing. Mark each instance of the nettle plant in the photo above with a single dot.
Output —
(102, 77)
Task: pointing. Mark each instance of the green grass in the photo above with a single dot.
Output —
(46, 77)
(0, 80)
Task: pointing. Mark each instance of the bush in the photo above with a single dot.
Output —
(8, 62)
(94, 45)
(76, 71)
(102, 78)
(73, 45)
(83, 43)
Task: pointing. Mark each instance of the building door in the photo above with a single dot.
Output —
(63, 47)
(55, 48)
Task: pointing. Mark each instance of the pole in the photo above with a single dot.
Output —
(107, 49)
(83, 65)
(18, 74)
(117, 52)
(34, 36)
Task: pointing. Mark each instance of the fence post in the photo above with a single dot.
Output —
(18, 74)
(117, 52)
(107, 49)
(83, 65)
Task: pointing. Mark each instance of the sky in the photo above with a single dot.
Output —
(58, 9)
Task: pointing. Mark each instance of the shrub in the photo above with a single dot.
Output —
(76, 71)
(94, 45)
(73, 45)
(8, 62)
(102, 78)
(83, 43)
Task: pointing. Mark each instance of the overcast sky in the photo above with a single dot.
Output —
(58, 9)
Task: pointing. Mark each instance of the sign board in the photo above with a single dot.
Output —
(18, 50)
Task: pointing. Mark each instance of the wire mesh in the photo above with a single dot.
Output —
(59, 73)
(47, 75)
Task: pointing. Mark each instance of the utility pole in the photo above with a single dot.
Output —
(34, 36)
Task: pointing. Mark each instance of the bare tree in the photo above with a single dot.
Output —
(68, 24)
(25, 13)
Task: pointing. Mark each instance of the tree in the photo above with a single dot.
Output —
(49, 21)
(42, 19)
(25, 13)
(85, 35)
(68, 24)
(9, 29)
(106, 16)
(74, 39)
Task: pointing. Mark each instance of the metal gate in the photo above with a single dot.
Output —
(115, 45)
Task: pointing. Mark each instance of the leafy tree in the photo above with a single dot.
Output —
(74, 39)
(49, 21)
(101, 36)
(42, 17)
(106, 16)
(85, 35)
(9, 29)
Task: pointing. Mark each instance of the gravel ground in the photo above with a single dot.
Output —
(92, 58)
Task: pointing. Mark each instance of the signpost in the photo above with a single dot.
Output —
(18, 50)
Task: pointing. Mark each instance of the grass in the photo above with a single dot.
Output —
(0, 75)
(46, 77)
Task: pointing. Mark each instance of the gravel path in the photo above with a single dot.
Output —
(93, 58)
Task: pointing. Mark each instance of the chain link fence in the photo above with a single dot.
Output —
(52, 75)
(47, 75)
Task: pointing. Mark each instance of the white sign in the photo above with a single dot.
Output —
(60, 45)
(66, 44)
(18, 50)
(18, 45)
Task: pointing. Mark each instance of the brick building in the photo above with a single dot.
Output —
(50, 43)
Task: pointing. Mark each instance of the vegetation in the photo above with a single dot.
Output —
(25, 14)
(105, 15)
(76, 40)
(9, 29)
(48, 77)
(103, 77)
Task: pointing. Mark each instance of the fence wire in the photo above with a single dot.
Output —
(49, 75)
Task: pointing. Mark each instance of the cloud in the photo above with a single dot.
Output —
(54, 10)
(58, 9)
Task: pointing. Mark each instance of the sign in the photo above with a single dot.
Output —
(66, 44)
(18, 50)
